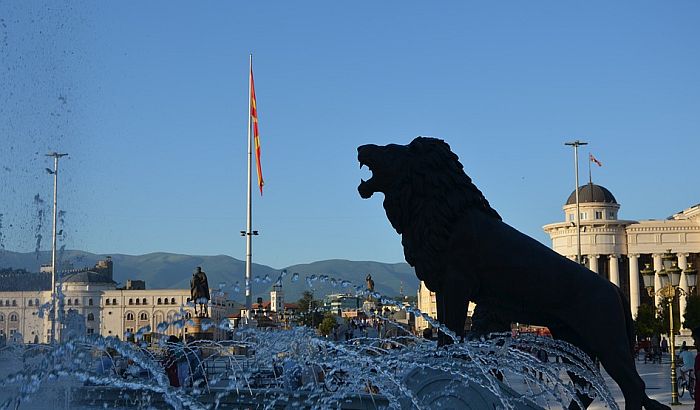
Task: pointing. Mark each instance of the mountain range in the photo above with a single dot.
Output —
(169, 270)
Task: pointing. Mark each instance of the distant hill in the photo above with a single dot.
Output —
(169, 270)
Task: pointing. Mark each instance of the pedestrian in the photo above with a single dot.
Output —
(170, 361)
(696, 341)
(664, 345)
(543, 357)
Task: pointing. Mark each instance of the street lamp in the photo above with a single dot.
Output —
(670, 277)
(55, 282)
(576, 144)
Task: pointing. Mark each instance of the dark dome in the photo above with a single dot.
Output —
(592, 193)
(81, 276)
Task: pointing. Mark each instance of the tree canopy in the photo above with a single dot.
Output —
(692, 312)
(647, 323)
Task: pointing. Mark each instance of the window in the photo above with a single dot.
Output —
(7, 303)
(14, 302)
(36, 302)
(583, 215)
(129, 316)
(70, 302)
(107, 302)
(114, 301)
(166, 301)
(13, 317)
(2, 317)
(144, 302)
(131, 301)
(91, 331)
(138, 302)
(598, 214)
(611, 215)
(76, 302)
(172, 301)
(90, 317)
(143, 316)
(31, 302)
(90, 302)
(160, 301)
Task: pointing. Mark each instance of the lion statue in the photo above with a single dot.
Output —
(463, 251)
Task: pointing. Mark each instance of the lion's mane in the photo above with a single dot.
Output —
(431, 197)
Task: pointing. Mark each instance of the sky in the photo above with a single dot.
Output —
(149, 99)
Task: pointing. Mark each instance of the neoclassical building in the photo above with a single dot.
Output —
(619, 249)
(93, 304)
(427, 303)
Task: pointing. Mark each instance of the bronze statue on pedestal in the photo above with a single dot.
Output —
(464, 252)
(199, 291)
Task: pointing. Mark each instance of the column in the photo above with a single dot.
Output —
(658, 265)
(614, 270)
(593, 263)
(682, 299)
(634, 283)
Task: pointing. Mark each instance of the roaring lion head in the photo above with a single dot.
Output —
(425, 192)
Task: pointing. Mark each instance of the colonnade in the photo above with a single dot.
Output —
(634, 284)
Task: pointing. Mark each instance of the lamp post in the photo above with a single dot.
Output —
(670, 276)
(576, 144)
(55, 283)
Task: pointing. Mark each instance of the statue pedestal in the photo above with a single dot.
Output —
(194, 331)
(370, 305)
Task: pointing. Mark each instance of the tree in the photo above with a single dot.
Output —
(308, 314)
(692, 312)
(327, 324)
(306, 300)
(647, 323)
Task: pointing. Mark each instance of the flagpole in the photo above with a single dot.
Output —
(249, 221)
(590, 176)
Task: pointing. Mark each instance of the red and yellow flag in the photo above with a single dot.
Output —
(256, 135)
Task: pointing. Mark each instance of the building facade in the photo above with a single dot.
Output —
(619, 249)
(427, 303)
(92, 304)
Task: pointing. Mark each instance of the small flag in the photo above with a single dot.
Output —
(256, 135)
(594, 160)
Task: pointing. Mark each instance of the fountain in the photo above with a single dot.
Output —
(295, 368)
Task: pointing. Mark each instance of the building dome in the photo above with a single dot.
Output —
(591, 193)
(83, 276)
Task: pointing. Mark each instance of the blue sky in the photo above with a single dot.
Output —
(150, 99)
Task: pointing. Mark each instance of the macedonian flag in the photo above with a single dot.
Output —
(256, 135)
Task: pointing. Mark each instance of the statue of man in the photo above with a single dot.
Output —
(370, 283)
(199, 291)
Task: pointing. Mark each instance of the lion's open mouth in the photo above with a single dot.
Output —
(365, 188)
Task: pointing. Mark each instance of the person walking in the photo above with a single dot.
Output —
(170, 361)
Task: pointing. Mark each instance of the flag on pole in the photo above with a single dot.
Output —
(256, 135)
(594, 160)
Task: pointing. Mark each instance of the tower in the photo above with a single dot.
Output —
(277, 298)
